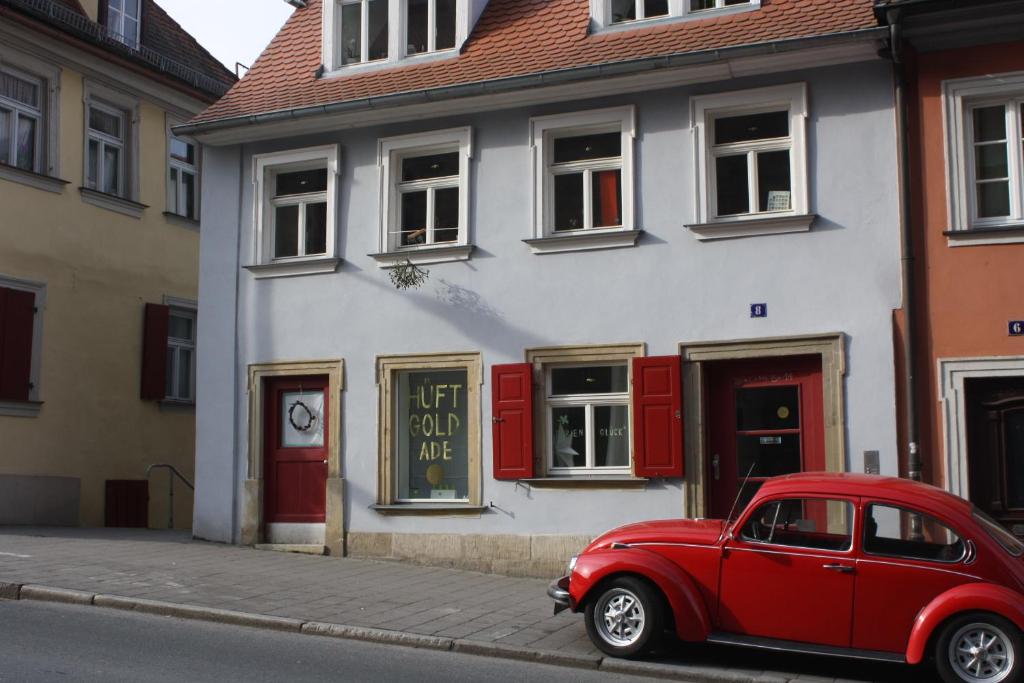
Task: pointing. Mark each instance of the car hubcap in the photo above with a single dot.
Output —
(620, 617)
(981, 652)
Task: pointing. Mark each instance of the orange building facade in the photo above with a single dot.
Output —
(965, 95)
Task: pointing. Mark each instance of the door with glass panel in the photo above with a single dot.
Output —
(765, 418)
(295, 458)
(995, 448)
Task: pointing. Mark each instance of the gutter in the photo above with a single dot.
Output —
(894, 18)
(548, 78)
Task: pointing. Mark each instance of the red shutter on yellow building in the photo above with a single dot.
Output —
(154, 352)
(657, 417)
(17, 319)
(512, 420)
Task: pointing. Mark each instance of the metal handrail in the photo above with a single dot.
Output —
(172, 473)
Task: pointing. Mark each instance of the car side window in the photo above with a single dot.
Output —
(900, 532)
(803, 523)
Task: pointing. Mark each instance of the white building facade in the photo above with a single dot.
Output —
(617, 298)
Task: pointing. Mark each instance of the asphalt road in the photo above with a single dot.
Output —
(50, 642)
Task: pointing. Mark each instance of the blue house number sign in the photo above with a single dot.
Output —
(758, 310)
(1017, 328)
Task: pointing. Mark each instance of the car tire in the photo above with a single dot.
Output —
(625, 617)
(979, 648)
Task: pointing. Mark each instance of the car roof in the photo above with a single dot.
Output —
(863, 485)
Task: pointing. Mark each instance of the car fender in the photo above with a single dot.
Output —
(971, 597)
(691, 615)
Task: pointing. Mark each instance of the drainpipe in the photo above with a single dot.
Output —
(914, 461)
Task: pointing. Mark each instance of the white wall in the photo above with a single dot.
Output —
(842, 276)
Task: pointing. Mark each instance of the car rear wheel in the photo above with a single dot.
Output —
(625, 617)
(979, 648)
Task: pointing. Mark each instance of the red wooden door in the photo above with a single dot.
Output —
(295, 453)
(765, 414)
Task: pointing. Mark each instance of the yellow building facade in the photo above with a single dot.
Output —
(99, 225)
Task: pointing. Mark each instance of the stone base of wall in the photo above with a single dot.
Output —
(541, 556)
(39, 501)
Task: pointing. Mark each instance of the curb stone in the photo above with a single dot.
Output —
(690, 674)
(486, 649)
(220, 616)
(48, 594)
(376, 635)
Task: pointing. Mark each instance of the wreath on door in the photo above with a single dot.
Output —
(307, 421)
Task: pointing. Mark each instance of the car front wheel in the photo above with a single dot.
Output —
(979, 648)
(625, 617)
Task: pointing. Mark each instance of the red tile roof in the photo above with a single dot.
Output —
(517, 38)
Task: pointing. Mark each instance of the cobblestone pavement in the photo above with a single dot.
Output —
(447, 603)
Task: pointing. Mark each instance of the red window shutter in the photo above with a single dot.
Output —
(154, 352)
(512, 421)
(658, 417)
(17, 320)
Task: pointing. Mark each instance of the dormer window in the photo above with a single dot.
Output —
(368, 34)
(631, 10)
(363, 31)
(430, 25)
(617, 13)
(123, 21)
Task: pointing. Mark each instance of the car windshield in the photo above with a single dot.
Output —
(1010, 543)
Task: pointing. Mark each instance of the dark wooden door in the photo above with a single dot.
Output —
(995, 448)
(765, 418)
(295, 452)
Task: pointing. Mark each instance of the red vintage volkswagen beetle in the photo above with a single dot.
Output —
(835, 564)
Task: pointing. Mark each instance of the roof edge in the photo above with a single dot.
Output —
(527, 81)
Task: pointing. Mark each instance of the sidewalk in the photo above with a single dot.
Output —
(168, 573)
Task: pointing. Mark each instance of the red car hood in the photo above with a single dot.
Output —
(695, 531)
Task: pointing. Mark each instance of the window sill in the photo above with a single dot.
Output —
(424, 255)
(183, 221)
(32, 179)
(1003, 234)
(584, 482)
(430, 509)
(317, 266)
(20, 408)
(172, 405)
(112, 202)
(584, 240)
(751, 227)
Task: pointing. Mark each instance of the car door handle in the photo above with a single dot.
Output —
(841, 568)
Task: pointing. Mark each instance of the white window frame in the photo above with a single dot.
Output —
(114, 101)
(265, 168)
(19, 110)
(176, 196)
(32, 407)
(390, 153)
(587, 401)
(678, 10)
(182, 308)
(960, 97)
(103, 141)
(544, 130)
(364, 31)
(431, 29)
(117, 32)
(704, 110)
(47, 166)
(397, 38)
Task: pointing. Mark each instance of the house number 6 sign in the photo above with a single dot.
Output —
(1017, 328)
